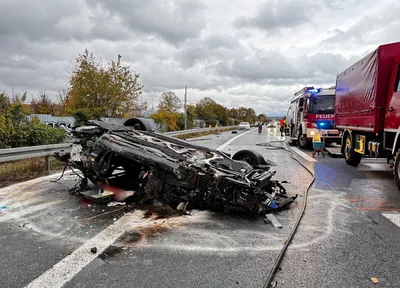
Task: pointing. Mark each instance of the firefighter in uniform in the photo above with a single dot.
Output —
(282, 123)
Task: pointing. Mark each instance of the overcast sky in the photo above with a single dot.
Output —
(250, 53)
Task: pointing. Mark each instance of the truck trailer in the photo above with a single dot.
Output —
(311, 110)
(367, 107)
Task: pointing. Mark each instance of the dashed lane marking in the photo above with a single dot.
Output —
(394, 218)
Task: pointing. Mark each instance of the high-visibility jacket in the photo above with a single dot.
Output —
(282, 122)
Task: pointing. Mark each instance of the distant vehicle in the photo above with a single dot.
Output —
(273, 124)
(244, 126)
(367, 107)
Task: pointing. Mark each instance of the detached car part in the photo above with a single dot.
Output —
(172, 171)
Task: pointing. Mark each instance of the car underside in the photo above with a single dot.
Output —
(173, 172)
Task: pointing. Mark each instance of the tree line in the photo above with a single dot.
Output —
(208, 112)
(96, 90)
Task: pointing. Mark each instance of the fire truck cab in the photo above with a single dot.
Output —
(311, 110)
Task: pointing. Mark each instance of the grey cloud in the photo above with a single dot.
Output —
(173, 21)
(171, 44)
(60, 21)
(211, 49)
(368, 31)
(258, 67)
(323, 63)
(273, 15)
(31, 20)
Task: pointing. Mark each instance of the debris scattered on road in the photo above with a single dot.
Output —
(270, 218)
(102, 214)
(97, 195)
(374, 280)
(140, 166)
(116, 203)
(93, 250)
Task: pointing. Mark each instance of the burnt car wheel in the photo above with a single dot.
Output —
(139, 124)
(249, 156)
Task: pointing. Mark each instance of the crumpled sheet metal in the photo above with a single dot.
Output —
(171, 171)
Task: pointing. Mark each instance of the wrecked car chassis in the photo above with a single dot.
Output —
(174, 172)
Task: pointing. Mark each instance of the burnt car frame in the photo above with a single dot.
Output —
(172, 171)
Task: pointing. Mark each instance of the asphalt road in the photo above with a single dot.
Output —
(343, 240)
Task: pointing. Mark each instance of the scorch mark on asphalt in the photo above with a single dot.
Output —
(70, 266)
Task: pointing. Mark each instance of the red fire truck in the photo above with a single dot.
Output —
(367, 107)
(311, 110)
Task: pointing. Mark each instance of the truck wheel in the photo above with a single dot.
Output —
(352, 158)
(396, 170)
(303, 141)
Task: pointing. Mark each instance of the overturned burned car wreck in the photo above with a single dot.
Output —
(172, 171)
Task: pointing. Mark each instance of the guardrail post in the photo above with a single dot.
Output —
(48, 164)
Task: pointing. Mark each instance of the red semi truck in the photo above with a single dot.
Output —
(367, 107)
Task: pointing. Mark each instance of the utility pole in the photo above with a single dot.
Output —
(185, 101)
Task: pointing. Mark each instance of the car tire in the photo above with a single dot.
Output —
(250, 156)
(139, 124)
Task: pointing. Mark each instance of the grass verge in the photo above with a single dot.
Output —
(27, 169)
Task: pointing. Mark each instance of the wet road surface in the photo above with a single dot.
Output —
(348, 233)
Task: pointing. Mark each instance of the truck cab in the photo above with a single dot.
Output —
(311, 110)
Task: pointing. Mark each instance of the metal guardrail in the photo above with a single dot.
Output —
(12, 154)
(21, 153)
(197, 130)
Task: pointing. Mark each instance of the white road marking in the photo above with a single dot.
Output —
(303, 155)
(223, 146)
(65, 270)
(7, 189)
(395, 218)
(18, 212)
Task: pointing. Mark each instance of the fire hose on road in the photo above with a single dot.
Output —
(279, 259)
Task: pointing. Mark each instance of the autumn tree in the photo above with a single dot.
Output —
(251, 115)
(111, 90)
(262, 117)
(168, 119)
(169, 102)
(43, 105)
(212, 112)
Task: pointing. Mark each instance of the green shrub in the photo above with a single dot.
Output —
(16, 131)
